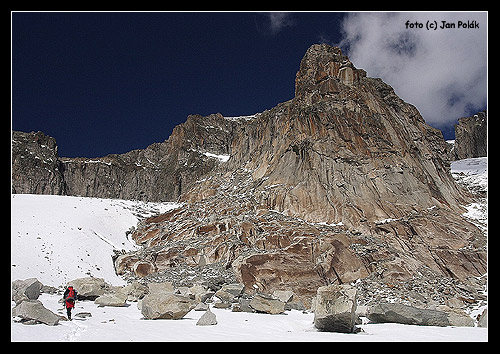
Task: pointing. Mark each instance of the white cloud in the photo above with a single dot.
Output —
(442, 72)
(274, 22)
(279, 20)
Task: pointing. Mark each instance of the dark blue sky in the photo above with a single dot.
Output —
(104, 83)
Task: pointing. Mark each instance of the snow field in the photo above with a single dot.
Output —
(126, 324)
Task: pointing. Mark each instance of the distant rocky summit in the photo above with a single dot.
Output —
(471, 137)
(343, 183)
(36, 168)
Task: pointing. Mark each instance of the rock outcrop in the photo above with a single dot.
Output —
(36, 168)
(471, 137)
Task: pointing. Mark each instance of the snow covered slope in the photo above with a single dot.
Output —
(475, 170)
(59, 238)
(473, 174)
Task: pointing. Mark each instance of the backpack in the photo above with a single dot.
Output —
(71, 295)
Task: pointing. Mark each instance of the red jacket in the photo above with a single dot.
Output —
(70, 297)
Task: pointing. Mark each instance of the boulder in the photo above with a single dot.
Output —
(33, 310)
(166, 306)
(83, 315)
(135, 291)
(243, 305)
(200, 293)
(222, 305)
(399, 313)
(89, 288)
(283, 295)
(267, 304)
(142, 268)
(201, 307)
(118, 299)
(483, 319)
(335, 308)
(28, 289)
(456, 317)
(207, 319)
(460, 319)
(229, 292)
(164, 287)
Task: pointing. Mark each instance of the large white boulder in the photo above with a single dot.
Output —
(335, 308)
(159, 305)
(28, 289)
(33, 310)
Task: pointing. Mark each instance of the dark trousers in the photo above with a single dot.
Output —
(68, 311)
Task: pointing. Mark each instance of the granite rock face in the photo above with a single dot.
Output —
(471, 137)
(343, 181)
(36, 168)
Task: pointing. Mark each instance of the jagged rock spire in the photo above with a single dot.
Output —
(322, 69)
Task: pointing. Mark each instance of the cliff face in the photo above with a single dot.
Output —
(471, 137)
(36, 168)
(161, 172)
(345, 149)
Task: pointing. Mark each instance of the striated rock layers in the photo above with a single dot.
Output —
(343, 182)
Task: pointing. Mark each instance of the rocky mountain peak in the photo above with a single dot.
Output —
(35, 165)
(345, 181)
(322, 69)
(345, 150)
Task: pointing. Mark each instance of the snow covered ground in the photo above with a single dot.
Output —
(59, 238)
(474, 170)
(126, 324)
(473, 174)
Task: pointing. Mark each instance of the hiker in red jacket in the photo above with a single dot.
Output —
(69, 300)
